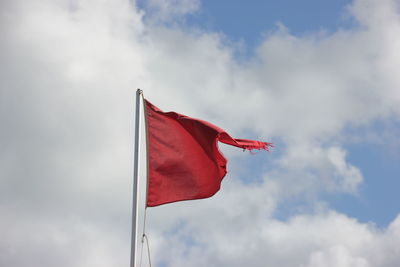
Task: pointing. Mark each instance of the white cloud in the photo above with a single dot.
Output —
(68, 74)
(169, 10)
(335, 256)
(321, 239)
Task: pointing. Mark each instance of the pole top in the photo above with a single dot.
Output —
(139, 91)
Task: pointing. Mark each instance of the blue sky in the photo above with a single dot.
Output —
(317, 78)
(376, 201)
(378, 196)
(248, 24)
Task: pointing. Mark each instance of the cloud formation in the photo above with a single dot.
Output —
(68, 74)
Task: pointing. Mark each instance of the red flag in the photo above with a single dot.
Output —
(184, 160)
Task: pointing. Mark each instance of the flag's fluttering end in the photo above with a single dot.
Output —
(184, 160)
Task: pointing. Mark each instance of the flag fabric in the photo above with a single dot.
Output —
(184, 160)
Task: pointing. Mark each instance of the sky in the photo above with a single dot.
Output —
(316, 78)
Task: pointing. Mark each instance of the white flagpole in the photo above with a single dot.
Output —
(135, 201)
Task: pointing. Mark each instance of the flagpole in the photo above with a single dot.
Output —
(135, 198)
